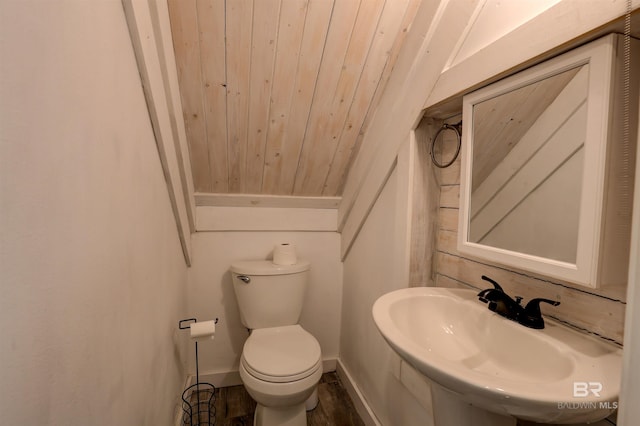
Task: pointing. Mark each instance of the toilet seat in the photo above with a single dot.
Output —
(281, 354)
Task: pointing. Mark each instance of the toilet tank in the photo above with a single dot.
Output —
(269, 295)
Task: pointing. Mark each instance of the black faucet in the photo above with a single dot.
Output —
(502, 304)
(532, 317)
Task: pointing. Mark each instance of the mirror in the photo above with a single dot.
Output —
(535, 167)
(527, 166)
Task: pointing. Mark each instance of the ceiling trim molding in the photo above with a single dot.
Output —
(269, 219)
(260, 200)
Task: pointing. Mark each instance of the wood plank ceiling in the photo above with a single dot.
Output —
(277, 94)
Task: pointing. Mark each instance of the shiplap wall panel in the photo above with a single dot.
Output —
(426, 194)
(186, 44)
(277, 93)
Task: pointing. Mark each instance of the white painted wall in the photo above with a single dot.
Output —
(629, 412)
(211, 292)
(92, 273)
(370, 270)
(494, 19)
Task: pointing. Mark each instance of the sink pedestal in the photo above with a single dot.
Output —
(450, 410)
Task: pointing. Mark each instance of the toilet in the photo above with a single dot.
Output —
(281, 362)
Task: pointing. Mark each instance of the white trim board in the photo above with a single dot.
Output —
(362, 407)
(265, 219)
(162, 27)
(262, 200)
(148, 24)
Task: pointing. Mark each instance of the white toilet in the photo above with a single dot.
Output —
(281, 363)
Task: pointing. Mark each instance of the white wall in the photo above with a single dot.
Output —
(629, 412)
(211, 292)
(370, 272)
(92, 273)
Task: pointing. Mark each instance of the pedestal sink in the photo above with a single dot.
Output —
(553, 375)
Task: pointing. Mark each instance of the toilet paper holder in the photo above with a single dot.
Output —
(190, 320)
(198, 400)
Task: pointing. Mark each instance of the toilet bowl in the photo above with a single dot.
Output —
(280, 368)
(281, 363)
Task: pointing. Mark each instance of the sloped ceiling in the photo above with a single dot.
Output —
(276, 94)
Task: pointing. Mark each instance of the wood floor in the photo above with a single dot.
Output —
(234, 406)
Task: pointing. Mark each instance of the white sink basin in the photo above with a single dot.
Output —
(497, 364)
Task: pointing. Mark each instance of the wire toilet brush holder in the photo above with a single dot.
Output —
(198, 400)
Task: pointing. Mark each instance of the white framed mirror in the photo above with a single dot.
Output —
(535, 169)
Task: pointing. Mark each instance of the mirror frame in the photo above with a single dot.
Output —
(600, 55)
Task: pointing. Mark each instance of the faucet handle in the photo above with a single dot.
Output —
(534, 304)
(532, 317)
(495, 284)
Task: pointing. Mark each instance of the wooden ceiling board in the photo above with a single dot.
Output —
(343, 19)
(281, 166)
(290, 37)
(266, 18)
(239, 23)
(395, 19)
(327, 121)
(211, 39)
(276, 93)
(186, 44)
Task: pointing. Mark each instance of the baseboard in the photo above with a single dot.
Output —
(329, 365)
(360, 403)
(232, 378)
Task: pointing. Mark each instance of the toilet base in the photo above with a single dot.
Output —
(294, 415)
(312, 402)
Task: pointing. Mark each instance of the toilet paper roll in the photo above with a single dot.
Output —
(204, 330)
(285, 254)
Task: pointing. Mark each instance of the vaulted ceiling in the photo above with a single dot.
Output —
(277, 94)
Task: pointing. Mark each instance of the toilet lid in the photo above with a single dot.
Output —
(281, 354)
